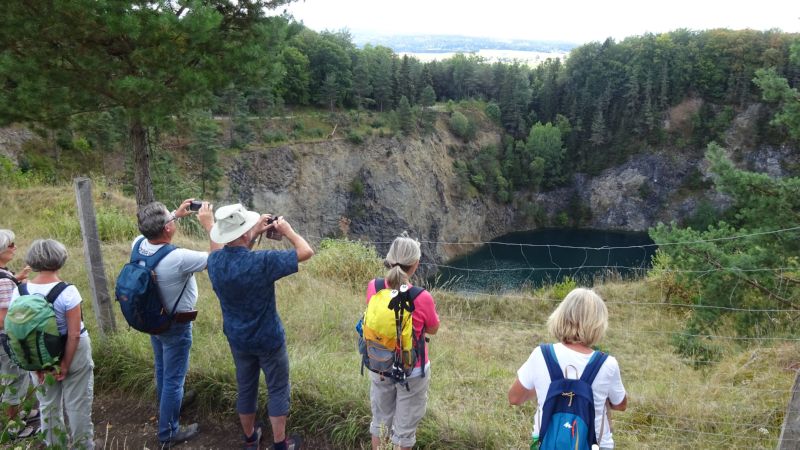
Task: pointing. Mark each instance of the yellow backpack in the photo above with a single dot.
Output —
(386, 334)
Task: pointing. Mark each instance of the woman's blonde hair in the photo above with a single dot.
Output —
(581, 318)
(402, 255)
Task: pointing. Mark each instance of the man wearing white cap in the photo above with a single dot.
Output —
(244, 283)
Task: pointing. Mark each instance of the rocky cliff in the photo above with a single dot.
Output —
(384, 186)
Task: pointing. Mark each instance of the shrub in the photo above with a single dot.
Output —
(344, 261)
(355, 137)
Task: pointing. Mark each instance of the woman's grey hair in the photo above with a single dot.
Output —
(6, 238)
(581, 318)
(402, 255)
(152, 218)
(46, 255)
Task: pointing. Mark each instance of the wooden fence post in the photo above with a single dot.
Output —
(790, 432)
(101, 300)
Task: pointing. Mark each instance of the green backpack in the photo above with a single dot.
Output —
(33, 341)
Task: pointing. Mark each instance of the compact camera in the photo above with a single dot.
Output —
(195, 205)
(272, 233)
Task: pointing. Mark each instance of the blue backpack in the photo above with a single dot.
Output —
(568, 410)
(138, 295)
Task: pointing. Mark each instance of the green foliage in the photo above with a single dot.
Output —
(561, 289)
(761, 262)
(146, 59)
(461, 126)
(354, 137)
(346, 262)
(405, 115)
(493, 112)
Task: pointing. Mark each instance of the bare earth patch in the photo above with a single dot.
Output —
(125, 423)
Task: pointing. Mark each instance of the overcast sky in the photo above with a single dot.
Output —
(577, 21)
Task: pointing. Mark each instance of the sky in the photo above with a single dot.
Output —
(577, 21)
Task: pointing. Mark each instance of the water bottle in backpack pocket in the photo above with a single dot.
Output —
(568, 412)
(32, 339)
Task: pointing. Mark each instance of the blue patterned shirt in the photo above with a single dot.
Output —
(244, 282)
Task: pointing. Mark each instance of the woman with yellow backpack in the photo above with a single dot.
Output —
(399, 398)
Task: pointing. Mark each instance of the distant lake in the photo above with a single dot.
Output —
(534, 258)
(530, 58)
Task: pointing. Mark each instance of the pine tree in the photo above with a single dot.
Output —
(149, 59)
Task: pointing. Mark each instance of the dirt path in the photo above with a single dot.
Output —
(124, 423)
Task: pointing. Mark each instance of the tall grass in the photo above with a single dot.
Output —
(483, 339)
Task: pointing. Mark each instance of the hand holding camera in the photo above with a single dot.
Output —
(272, 232)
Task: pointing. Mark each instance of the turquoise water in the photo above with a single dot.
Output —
(533, 258)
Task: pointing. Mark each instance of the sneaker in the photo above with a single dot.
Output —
(17, 432)
(29, 416)
(294, 442)
(254, 442)
(184, 433)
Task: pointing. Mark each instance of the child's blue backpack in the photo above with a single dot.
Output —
(138, 295)
(568, 410)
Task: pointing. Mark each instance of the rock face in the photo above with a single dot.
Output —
(12, 139)
(386, 186)
(373, 191)
(376, 190)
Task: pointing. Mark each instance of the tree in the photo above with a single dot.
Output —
(204, 151)
(776, 89)
(150, 59)
(405, 115)
(751, 282)
(544, 141)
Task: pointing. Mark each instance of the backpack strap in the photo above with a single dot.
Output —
(379, 284)
(23, 289)
(413, 293)
(8, 276)
(152, 260)
(549, 354)
(593, 367)
(56, 291)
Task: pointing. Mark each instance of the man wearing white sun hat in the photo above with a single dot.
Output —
(244, 282)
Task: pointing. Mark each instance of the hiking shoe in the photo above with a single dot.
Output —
(188, 399)
(184, 433)
(29, 416)
(253, 442)
(17, 432)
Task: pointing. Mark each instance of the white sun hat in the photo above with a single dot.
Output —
(232, 222)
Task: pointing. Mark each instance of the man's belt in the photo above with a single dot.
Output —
(185, 316)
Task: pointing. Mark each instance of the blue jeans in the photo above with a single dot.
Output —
(275, 365)
(171, 351)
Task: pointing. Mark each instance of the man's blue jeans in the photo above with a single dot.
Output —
(171, 351)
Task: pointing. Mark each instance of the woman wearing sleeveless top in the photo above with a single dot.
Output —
(396, 411)
(73, 390)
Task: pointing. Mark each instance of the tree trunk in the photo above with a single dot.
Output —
(141, 163)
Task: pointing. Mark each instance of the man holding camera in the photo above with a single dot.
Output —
(176, 283)
(244, 282)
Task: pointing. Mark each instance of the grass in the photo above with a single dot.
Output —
(737, 402)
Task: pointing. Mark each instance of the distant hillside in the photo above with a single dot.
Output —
(465, 44)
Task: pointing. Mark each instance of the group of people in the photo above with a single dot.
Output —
(243, 281)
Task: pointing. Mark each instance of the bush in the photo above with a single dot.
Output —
(460, 125)
(350, 262)
(355, 137)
